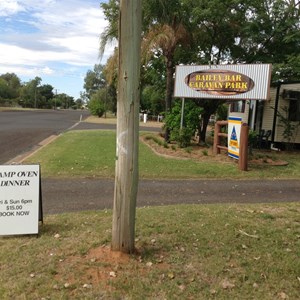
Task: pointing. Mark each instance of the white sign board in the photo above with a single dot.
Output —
(223, 81)
(234, 133)
(19, 199)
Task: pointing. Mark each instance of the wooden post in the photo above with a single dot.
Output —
(126, 177)
(243, 159)
(217, 137)
(216, 150)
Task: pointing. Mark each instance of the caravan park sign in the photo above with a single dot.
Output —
(219, 82)
(223, 82)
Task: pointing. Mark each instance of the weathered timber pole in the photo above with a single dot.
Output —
(126, 177)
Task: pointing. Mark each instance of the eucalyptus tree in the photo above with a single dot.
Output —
(153, 86)
(64, 101)
(272, 35)
(94, 80)
(29, 93)
(46, 95)
(245, 31)
(110, 73)
(4, 91)
(215, 27)
(100, 81)
(216, 32)
(10, 85)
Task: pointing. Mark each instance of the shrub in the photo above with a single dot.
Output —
(96, 107)
(252, 140)
(205, 152)
(190, 122)
(98, 104)
(182, 136)
(166, 145)
(188, 150)
(290, 128)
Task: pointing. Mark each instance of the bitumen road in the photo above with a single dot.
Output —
(70, 195)
(24, 131)
(21, 131)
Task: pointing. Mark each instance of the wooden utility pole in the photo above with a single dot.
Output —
(126, 177)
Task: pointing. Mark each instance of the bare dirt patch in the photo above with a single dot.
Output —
(268, 161)
(101, 266)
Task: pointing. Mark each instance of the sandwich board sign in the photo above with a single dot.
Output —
(234, 133)
(20, 199)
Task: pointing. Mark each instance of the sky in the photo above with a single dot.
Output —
(57, 40)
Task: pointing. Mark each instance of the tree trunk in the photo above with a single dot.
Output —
(126, 177)
(203, 130)
(209, 107)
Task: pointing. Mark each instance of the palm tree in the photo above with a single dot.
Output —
(165, 38)
(163, 32)
(110, 33)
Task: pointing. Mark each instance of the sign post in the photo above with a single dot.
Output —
(243, 161)
(227, 82)
(20, 199)
(234, 133)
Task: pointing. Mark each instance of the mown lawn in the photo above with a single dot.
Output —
(183, 252)
(92, 154)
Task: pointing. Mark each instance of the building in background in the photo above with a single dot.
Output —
(277, 119)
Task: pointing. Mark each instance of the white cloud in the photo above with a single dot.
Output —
(62, 31)
(9, 7)
(29, 72)
(47, 71)
(55, 38)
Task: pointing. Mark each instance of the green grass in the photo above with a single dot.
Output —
(92, 154)
(183, 252)
(15, 108)
(78, 153)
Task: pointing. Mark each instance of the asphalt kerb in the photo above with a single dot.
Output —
(22, 157)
